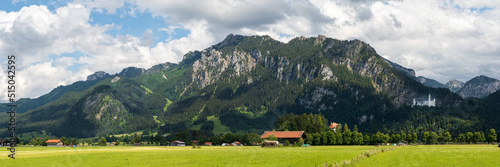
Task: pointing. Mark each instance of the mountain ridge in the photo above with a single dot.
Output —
(246, 82)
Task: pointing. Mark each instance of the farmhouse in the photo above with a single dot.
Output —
(208, 143)
(402, 143)
(4, 143)
(177, 143)
(282, 136)
(236, 143)
(54, 143)
(333, 126)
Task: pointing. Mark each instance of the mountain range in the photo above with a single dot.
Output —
(245, 83)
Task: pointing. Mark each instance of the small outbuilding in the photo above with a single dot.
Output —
(208, 143)
(4, 143)
(137, 144)
(402, 143)
(271, 143)
(54, 143)
(177, 143)
(236, 143)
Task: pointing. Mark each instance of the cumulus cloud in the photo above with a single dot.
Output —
(39, 37)
(439, 39)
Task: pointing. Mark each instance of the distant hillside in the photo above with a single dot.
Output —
(430, 82)
(26, 104)
(244, 83)
(454, 85)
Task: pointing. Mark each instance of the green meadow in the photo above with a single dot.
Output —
(437, 155)
(462, 155)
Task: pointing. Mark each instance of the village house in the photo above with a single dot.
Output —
(54, 143)
(195, 142)
(4, 143)
(236, 143)
(208, 143)
(402, 143)
(282, 136)
(177, 143)
(333, 126)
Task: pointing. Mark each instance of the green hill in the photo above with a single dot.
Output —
(245, 83)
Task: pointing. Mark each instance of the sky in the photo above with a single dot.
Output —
(63, 41)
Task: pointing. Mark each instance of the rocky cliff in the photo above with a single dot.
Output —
(454, 85)
(479, 87)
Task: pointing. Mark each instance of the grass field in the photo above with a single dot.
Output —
(453, 155)
(468, 155)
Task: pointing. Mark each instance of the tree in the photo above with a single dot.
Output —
(357, 138)
(355, 128)
(89, 141)
(346, 135)
(366, 139)
(44, 140)
(415, 137)
(345, 128)
(492, 136)
(38, 141)
(251, 138)
(272, 138)
(331, 137)
(65, 140)
(33, 142)
(447, 137)
(117, 142)
(469, 137)
(434, 137)
(298, 143)
(316, 138)
(74, 141)
(287, 143)
(440, 138)
(102, 142)
(426, 136)
(409, 138)
(476, 138)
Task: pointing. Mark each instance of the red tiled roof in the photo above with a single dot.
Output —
(333, 125)
(53, 141)
(283, 134)
(237, 142)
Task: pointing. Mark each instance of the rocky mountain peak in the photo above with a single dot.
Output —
(454, 85)
(408, 72)
(131, 72)
(97, 75)
(480, 86)
(230, 40)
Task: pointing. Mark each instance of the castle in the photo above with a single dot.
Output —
(430, 102)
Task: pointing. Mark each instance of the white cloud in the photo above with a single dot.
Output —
(38, 37)
(439, 39)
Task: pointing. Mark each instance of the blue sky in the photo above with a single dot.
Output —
(61, 42)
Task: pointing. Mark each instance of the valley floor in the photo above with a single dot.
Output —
(442, 155)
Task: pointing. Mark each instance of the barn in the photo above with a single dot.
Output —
(282, 136)
(54, 143)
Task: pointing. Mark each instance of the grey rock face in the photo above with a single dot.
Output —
(97, 75)
(454, 85)
(479, 87)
